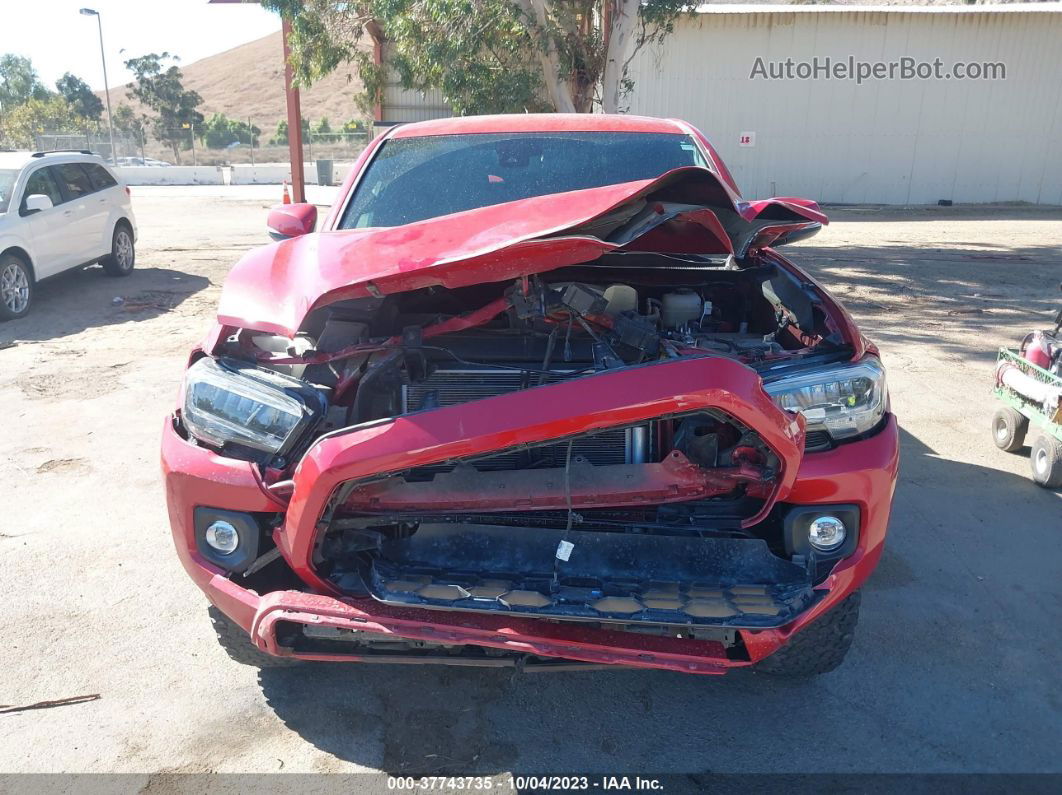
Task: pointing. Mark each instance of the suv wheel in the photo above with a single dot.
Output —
(819, 648)
(16, 287)
(122, 258)
(239, 647)
(1046, 461)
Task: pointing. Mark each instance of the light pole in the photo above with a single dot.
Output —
(88, 12)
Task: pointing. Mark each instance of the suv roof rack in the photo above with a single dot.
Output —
(61, 151)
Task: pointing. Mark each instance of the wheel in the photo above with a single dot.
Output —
(819, 648)
(1046, 461)
(16, 287)
(1008, 429)
(122, 258)
(239, 647)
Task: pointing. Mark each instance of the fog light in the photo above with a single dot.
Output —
(826, 533)
(223, 537)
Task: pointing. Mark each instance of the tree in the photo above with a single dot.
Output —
(219, 132)
(35, 116)
(280, 137)
(161, 90)
(19, 82)
(80, 96)
(484, 55)
(126, 121)
(323, 130)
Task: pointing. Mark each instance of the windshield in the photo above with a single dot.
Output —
(7, 184)
(413, 179)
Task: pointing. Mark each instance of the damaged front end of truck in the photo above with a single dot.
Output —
(570, 427)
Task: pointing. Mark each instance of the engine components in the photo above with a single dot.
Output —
(680, 308)
(621, 298)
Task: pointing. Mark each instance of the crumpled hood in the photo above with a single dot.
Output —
(687, 210)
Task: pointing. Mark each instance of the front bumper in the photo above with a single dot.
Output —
(862, 473)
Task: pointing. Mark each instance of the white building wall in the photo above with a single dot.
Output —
(885, 141)
(404, 105)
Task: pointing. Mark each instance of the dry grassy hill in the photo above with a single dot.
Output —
(248, 82)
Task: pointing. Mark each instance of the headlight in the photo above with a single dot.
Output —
(843, 401)
(231, 403)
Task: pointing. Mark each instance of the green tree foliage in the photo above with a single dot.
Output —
(280, 137)
(160, 89)
(80, 97)
(128, 122)
(219, 132)
(36, 116)
(19, 82)
(322, 131)
(484, 55)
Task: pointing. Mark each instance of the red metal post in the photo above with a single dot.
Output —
(298, 185)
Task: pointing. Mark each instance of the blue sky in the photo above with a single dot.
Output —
(58, 39)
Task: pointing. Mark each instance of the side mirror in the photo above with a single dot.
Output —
(291, 220)
(36, 202)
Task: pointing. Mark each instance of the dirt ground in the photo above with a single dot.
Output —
(955, 665)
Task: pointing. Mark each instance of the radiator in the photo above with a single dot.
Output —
(449, 387)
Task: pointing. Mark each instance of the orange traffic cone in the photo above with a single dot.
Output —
(287, 196)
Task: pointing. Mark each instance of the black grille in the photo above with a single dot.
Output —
(607, 447)
(450, 387)
(817, 440)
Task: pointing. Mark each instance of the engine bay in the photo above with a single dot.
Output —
(391, 355)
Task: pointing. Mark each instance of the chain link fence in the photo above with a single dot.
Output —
(125, 146)
(239, 144)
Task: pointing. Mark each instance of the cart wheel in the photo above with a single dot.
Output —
(1046, 462)
(1008, 429)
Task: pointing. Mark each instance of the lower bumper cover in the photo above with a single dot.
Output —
(587, 575)
(509, 634)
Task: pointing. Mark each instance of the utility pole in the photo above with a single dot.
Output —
(291, 91)
(88, 12)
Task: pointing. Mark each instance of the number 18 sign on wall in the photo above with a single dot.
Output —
(747, 139)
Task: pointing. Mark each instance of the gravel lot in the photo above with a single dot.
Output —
(955, 665)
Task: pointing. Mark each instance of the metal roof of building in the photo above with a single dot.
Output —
(771, 8)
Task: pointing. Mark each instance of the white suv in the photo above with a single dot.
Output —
(58, 211)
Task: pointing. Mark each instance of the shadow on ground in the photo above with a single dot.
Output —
(965, 603)
(958, 301)
(77, 300)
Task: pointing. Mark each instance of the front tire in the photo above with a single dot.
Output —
(818, 649)
(16, 287)
(1009, 427)
(1046, 462)
(122, 259)
(238, 645)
